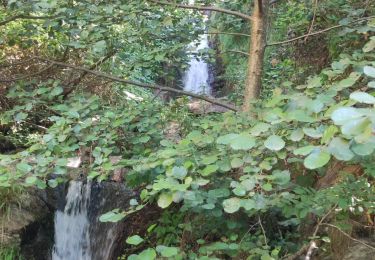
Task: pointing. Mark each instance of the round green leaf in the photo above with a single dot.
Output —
(242, 142)
(31, 180)
(274, 143)
(236, 163)
(317, 159)
(344, 114)
(209, 169)
(369, 71)
(362, 97)
(364, 149)
(232, 205)
(179, 172)
(339, 148)
(165, 199)
(297, 135)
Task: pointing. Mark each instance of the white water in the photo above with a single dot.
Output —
(196, 77)
(72, 239)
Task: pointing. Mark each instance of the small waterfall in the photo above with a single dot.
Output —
(72, 238)
(197, 76)
(79, 235)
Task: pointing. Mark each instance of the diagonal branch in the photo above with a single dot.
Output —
(204, 8)
(23, 16)
(321, 31)
(139, 84)
(230, 33)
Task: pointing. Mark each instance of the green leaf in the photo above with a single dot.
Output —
(147, 254)
(167, 251)
(312, 132)
(209, 169)
(297, 135)
(362, 97)
(274, 143)
(339, 148)
(56, 91)
(232, 205)
(281, 177)
(259, 128)
(329, 133)
(31, 180)
(242, 142)
(179, 172)
(267, 187)
(248, 204)
(134, 240)
(317, 159)
(370, 46)
(165, 199)
(24, 167)
(369, 71)
(363, 149)
(344, 114)
(112, 216)
(236, 163)
(304, 150)
(226, 139)
(20, 116)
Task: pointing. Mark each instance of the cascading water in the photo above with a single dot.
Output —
(196, 77)
(72, 239)
(79, 235)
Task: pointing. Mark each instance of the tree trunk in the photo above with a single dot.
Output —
(256, 53)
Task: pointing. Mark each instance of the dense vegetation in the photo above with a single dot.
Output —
(266, 183)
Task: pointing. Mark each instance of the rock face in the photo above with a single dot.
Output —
(28, 222)
(201, 107)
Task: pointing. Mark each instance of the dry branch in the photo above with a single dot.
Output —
(139, 84)
(204, 8)
(320, 32)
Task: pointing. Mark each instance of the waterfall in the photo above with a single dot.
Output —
(197, 76)
(79, 235)
(72, 239)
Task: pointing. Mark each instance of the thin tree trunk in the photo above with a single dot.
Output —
(256, 53)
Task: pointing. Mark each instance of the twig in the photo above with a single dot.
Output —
(348, 236)
(205, 8)
(229, 33)
(313, 20)
(247, 232)
(139, 84)
(237, 51)
(264, 232)
(319, 32)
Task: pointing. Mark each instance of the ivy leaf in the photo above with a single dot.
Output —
(362, 97)
(232, 205)
(165, 199)
(317, 159)
(242, 142)
(274, 143)
(134, 240)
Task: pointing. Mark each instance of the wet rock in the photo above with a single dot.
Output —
(201, 107)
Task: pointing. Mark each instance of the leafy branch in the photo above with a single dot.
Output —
(23, 16)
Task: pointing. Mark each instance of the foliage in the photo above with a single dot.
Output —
(235, 185)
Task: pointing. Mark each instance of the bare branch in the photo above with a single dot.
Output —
(229, 33)
(204, 8)
(319, 32)
(23, 16)
(139, 84)
(348, 236)
(28, 76)
(236, 51)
